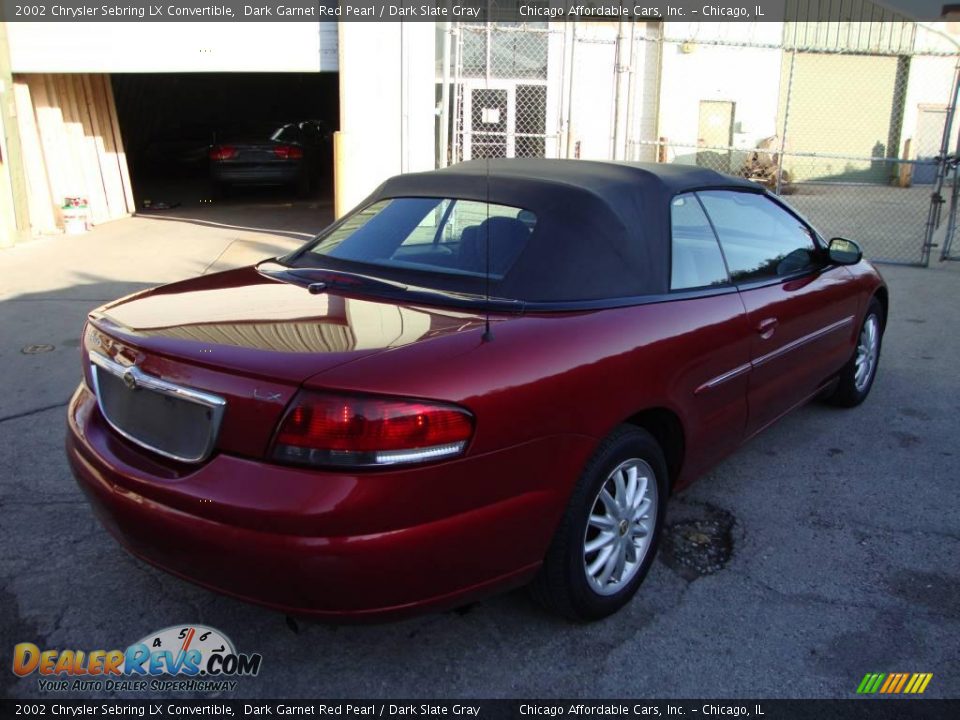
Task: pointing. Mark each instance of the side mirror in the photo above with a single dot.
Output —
(844, 252)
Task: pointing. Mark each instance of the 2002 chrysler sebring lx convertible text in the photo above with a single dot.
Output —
(485, 375)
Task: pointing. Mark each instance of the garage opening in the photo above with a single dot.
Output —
(228, 139)
(244, 149)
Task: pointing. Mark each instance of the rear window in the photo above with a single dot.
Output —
(440, 235)
(259, 132)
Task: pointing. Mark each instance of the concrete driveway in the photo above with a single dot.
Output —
(844, 525)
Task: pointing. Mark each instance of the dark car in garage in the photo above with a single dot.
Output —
(291, 154)
(182, 150)
(485, 376)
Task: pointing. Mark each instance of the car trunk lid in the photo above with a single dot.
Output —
(247, 153)
(241, 337)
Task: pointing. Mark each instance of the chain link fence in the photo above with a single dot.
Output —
(851, 121)
(501, 82)
(947, 239)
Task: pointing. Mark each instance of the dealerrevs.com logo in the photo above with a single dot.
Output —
(180, 657)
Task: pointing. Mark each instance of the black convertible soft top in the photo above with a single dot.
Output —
(603, 228)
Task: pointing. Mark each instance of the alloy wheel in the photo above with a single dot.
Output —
(868, 348)
(620, 528)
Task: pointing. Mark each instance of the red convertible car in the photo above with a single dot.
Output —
(486, 376)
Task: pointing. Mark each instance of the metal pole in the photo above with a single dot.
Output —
(565, 81)
(457, 92)
(444, 135)
(488, 55)
(568, 153)
(786, 117)
(631, 99)
(952, 218)
(661, 146)
(936, 198)
(619, 98)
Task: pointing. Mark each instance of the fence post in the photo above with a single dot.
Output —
(936, 197)
(786, 116)
(444, 134)
(569, 151)
(631, 95)
(619, 98)
(951, 220)
(457, 39)
(946, 251)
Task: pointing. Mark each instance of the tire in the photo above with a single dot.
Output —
(565, 584)
(852, 389)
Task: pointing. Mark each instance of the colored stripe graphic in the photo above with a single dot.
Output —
(894, 683)
(919, 683)
(870, 683)
(903, 681)
(893, 680)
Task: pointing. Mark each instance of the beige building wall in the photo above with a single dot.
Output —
(387, 106)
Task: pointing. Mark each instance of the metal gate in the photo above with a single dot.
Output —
(502, 91)
(853, 121)
(947, 237)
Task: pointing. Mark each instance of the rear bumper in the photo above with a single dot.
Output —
(276, 536)
(265, 174)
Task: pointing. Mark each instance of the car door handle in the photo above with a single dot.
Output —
(767, 327)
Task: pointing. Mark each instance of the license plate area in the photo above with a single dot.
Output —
(171, 420)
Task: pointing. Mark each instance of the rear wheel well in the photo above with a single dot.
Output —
(884, 299)
(667, 430)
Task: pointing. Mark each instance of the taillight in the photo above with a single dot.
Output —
(222, 152)
(288, 152)
(356, 431)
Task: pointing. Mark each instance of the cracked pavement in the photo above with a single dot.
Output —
(846, 537)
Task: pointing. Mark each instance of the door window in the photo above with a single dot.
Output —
(760, 240)
(696, 257)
